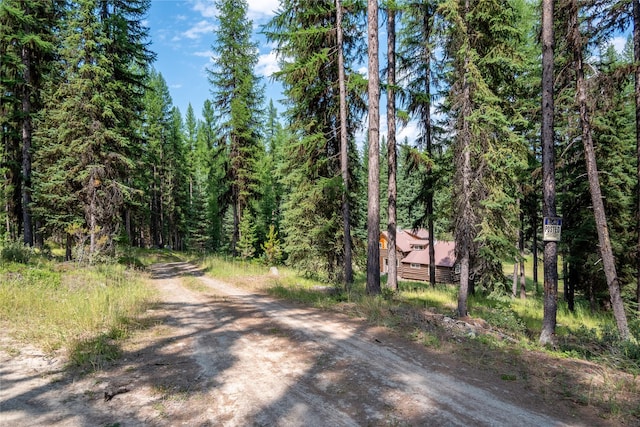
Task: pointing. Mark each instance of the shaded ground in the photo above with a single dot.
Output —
(231, 357)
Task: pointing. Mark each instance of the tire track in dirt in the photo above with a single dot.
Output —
(325, 369)
(224, 356)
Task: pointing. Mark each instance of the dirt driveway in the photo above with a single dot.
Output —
(225, 356)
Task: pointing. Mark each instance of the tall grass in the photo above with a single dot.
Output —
(66, 306)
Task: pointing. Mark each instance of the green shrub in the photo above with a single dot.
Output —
(15, 252)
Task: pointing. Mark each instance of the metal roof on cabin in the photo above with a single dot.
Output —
(444, 254)
(405, 239)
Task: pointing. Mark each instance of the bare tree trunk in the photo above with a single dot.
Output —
(606, 251)
(236, 224)
(535, 256)
(550, 301)
(392, 275)
(636, 58)
(27, 134)
(465, 221)
(514, 282)
(523, 280)
(344, 153)
(429, 140)
(373, 214)
(68, 254)
(93, 223)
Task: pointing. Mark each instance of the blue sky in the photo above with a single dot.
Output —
(182, 32)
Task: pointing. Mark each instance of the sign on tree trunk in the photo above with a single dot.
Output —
(551, 229)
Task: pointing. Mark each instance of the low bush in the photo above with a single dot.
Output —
(15, 252)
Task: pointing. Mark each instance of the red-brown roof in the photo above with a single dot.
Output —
(406, 240)
(444, 254)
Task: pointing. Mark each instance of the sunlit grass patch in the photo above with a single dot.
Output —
(80, 309)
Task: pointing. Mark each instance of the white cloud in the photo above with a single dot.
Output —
(410, 131)
(257, 8)
(206, 8)
(198, 29)
(262, 8)
(267, 64)
(203, 54)
(619, 43)
(175, 86)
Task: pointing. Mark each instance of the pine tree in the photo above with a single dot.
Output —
(246, 243)
(313, 236)
(268, 189)
(214, 156)
(271, 247)
(576, 42)
(344, 150)
(91, 118)
(373, 214)
(238, 99)
(548, 163)
(485, 57)
(416, 59)
(27, 43)
(157, 122)
(392, 163)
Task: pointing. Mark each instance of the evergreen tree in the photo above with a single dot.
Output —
(213, 154)
(373, 203)
(197, 155)
(238, 97)
(91, 117)
(271, 247)
(484, 59)
(157, 124)
(268, 188)
(246, 243)
(584, 103)
(392, 163)
(306, 41)
(344, 150)
(416, 59)
(27, 42)
(548, 164)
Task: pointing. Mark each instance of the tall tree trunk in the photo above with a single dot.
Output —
(514, 279)
(373, 211)
(464, 232)
(535, 255)
(93, 222)
(68, 255)
(636, 58)
(344, 153)
(570, 287)
(429, 140)
(465, 221)
(27, 133)
(523, 280)
(606, 251)
(550, 301)
(392, 274)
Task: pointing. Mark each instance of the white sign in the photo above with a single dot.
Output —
(551, 229)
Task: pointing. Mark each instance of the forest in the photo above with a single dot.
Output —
(525, 110)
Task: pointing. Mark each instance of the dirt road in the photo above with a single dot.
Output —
(224, 356)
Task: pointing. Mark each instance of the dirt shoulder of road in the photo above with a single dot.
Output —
(219, 355)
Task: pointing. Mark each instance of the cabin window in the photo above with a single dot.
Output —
(414, 265)
(456, 269)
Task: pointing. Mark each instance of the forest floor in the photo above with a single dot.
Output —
(217, 355)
